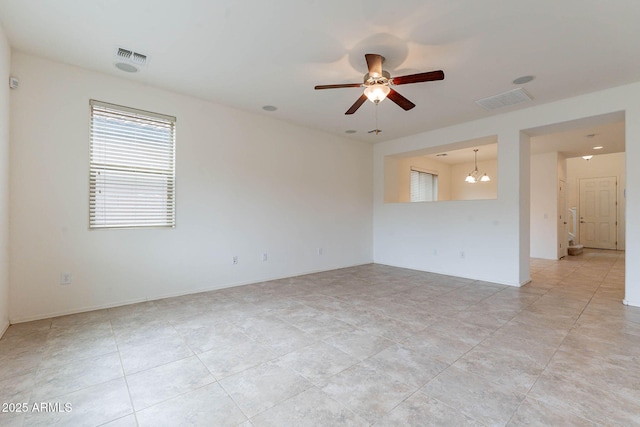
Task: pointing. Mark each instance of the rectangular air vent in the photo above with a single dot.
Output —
(128, 55)
(139, 58)
(504, 99)
(124, 53)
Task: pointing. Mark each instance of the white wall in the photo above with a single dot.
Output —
(472, 238)
(246, 184)
(5, 64)
(599, 166)
(495, 234)
(544, 206)
(632, 245)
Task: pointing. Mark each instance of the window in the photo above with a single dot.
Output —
(132, 168)
(424, 186)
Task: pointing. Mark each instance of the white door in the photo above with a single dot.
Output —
(598, 213)
(563, 236)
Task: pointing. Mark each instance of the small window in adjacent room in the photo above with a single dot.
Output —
(132, 168)
(424, 186)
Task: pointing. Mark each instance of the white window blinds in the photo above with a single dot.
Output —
(424, 186)
(132, 168)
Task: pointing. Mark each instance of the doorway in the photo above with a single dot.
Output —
(563, 232)
(598, 212)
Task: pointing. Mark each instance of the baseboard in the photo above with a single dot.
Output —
(3, 327)
(482, 279)
(631, 303)
(169, 295)
(526, 282)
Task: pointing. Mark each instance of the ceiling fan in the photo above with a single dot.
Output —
(377, 84)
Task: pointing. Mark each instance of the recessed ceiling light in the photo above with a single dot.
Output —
(598, 147)
(522, 80)
(441, 155)
(591, 135)
(269, 108)
(350, 131)
(127, 68)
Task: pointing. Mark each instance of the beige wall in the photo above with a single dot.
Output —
(392, 188)
(398, 177)
(451, 184)
(461, 190)
(441, 169)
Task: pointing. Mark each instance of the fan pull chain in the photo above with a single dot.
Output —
(377, 130)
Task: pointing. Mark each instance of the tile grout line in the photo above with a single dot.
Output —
(124, 375)
(553, 355)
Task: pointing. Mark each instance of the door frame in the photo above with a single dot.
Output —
(580, 216)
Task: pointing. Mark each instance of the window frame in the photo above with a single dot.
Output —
(147, 171)
(434, 184)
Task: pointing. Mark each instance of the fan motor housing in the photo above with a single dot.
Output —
(382, 80)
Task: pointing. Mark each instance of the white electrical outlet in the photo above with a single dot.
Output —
(264, 256)
(319, 251)
(65, 278)
(235, 260)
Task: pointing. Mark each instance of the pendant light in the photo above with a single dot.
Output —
(475, 176)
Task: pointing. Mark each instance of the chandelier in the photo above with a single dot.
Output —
(475, 176)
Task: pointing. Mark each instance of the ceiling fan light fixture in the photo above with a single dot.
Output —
(376, 83)
(377, 92)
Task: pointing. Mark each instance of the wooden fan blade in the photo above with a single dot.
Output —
(357, 104)
(429, 76)
(403, 102)
(337, 86)
(374, 62)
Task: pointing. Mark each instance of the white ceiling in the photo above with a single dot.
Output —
(580, 141)
(466, 155)
(247, 54)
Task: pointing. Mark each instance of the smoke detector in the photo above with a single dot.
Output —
(129, 61)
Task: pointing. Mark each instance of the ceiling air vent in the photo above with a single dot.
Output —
(127, 55)
(124, 53)
(505, 99)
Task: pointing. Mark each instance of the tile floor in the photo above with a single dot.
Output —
(369, 345)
